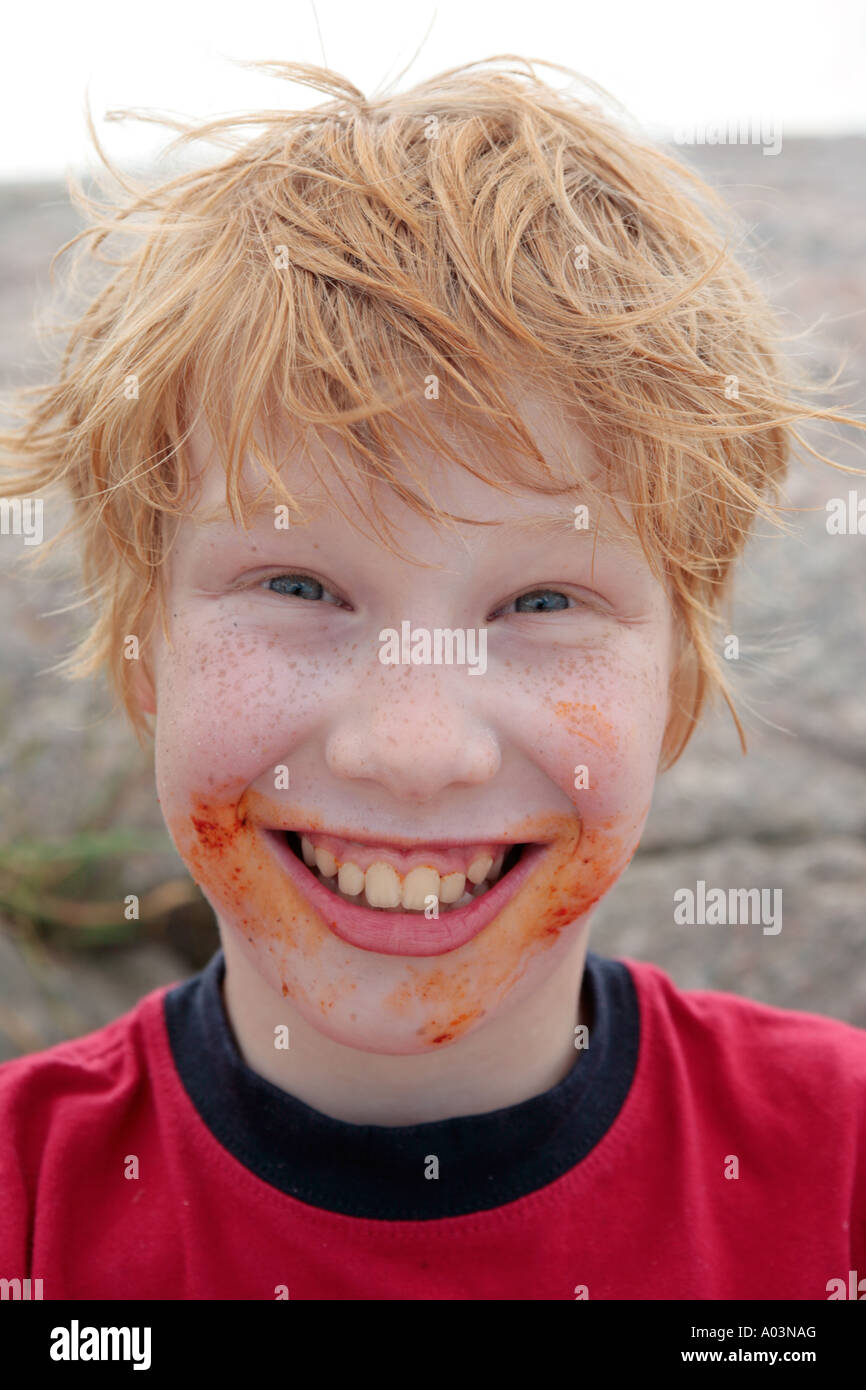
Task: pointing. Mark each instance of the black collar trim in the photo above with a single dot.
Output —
(377, 1171)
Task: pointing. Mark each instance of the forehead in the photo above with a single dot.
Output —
(326, 487)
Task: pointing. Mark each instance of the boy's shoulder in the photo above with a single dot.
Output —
(741, 1045)
(77, 1079)
(68, 1116)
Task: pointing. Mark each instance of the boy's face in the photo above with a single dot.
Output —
(276, 714)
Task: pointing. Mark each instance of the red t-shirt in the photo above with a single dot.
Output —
(702, 1146)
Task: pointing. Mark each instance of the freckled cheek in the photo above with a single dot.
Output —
(602, 755)
(225, 716)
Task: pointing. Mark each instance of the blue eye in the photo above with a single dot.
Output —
(541, 601)
(298, 586)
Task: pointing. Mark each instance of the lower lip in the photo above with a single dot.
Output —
(405, 933)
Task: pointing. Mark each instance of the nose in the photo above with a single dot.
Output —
(415, 732)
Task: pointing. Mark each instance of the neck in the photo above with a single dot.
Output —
(521, 1052)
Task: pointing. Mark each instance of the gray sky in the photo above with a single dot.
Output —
(672, 62)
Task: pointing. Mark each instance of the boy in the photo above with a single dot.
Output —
(400, 441)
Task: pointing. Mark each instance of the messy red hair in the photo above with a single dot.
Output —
(479, 228)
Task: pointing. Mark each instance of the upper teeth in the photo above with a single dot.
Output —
(479, 868)
(382, 886)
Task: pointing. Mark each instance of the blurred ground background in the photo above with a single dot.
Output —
(79, 823)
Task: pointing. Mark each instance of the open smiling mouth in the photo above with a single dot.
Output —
(423, 901)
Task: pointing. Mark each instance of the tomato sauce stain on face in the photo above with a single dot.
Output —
(439, 998)
(580, 865)
(458, 1025)
(586, 722)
